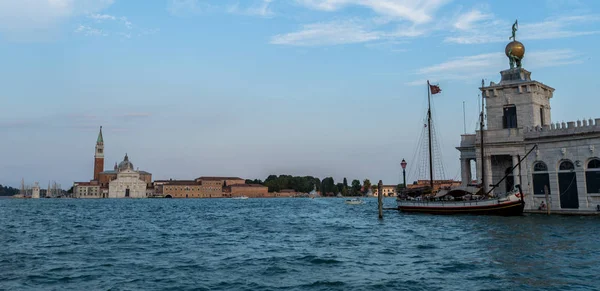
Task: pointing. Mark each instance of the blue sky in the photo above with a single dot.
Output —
(256, 87)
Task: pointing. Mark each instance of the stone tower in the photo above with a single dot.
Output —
(99, 156)
(35, 191)
(512, 106)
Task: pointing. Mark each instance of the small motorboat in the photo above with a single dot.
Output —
(354, 201)
(240, 197)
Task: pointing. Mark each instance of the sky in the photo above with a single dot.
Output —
(191, 88)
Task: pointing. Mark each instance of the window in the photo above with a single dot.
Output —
(509, 119)
(592, 176)
(541, 179)
(566, 166)
(542, 116)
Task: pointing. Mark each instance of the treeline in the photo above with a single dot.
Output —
(306, 184)
(8, 191)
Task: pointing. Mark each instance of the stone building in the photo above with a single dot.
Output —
(128, 183)
(565, 161)
(248, 190)
(387, 190)
(122, 182)
(203, 187)
(87, 190)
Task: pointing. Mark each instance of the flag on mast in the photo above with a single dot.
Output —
(435, 89)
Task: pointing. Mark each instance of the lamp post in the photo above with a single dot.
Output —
(403, 164)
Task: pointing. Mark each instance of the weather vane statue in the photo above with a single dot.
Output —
(515, 27)
(515, 50)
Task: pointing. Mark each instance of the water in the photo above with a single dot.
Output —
(285, 244)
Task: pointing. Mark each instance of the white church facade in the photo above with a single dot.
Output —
(563, 171)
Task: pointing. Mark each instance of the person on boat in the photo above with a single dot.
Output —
(542, 206)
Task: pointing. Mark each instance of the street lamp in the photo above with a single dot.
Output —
(403, 164)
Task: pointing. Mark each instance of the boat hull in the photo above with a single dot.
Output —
(508, 208)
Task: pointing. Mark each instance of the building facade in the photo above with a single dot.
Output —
(209, 187)
(387, 190)
(563, 167)
(122, 182)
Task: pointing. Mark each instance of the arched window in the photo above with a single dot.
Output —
(566, 166)
(541, 178)
(592, 176)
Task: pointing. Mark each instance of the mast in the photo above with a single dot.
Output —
(481, 133)
(464, 119)
(429, 134)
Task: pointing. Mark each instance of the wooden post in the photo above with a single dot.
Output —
(380, 198)
(547, 204)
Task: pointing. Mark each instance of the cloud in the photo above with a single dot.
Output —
(101, 17)
(466, 21)
(183, 7)
(330, 33)
(394, 20)
(490, 29)
(90, 31)
(114, 25)
(34, 19)
(263, 9)
(483, 65)
(418, 12)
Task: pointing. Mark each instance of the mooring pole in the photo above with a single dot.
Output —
(547, 202)
(380, 198)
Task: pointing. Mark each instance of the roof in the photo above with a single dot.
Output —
(100, 139)
(87, 183)
(249, 185)
(219, 178)
(113, 172)
(182, 182)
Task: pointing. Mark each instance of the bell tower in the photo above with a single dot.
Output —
(99, 156)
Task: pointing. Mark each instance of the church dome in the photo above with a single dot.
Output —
(125, 164)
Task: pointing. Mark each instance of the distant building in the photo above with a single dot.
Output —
(209, 187)
(121, 182)
(387, 190)
(437, 184)
(248, 190)
(35, 191)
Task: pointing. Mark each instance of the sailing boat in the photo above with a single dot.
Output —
(464, 199)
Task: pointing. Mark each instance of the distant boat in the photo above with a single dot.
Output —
(240, 197)
(354, 201)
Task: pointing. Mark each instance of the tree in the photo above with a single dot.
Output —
(355, 187)
(345, 182)
(328, 185)
(366, 186)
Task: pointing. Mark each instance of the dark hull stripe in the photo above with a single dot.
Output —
(505, 209)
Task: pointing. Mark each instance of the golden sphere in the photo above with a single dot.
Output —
(518, 49)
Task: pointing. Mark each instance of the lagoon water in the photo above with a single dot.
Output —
(285, 244)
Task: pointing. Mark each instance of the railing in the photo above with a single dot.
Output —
(448, 203)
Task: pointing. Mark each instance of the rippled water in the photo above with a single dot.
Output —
(286, 244)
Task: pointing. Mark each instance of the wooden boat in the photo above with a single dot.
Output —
(463, 200)
(510, 205)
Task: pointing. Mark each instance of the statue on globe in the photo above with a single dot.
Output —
(515, 27)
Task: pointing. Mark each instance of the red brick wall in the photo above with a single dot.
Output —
(98, 167)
